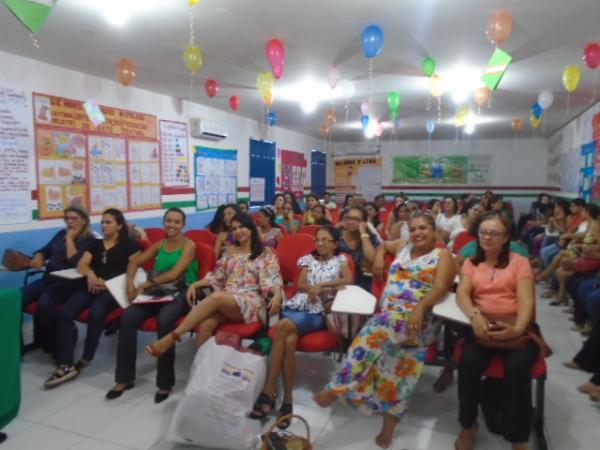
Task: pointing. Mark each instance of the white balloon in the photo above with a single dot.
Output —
(364, 108)
(545, 99)
(430, 126)
(333, 77)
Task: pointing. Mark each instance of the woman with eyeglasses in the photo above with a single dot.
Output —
(496, 293)
(322, 272)
(63, 251)
(106, 259)
(382, 366)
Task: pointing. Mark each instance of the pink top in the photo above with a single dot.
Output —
(495, 290)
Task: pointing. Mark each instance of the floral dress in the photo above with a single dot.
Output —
(248, 281)
(382, 366)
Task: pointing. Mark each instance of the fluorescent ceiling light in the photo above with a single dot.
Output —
(461, 82)
(308, 93)
(118, 12)
(469, 128)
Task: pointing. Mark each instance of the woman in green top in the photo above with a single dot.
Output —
(175, 262)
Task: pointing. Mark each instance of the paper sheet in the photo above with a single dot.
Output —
(354, 300)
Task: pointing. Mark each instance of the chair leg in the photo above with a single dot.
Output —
(538, 419)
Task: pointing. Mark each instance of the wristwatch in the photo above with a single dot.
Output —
(364, 235)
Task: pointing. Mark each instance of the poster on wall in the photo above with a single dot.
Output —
(480, 169)
(360, 175)
(174, 154)
(425, 170)
(216, 177)
(293, 172)
(144, 175)
(108, 173)
(15, 148)
(586, 173)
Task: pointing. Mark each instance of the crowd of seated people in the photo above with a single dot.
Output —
(429, 244)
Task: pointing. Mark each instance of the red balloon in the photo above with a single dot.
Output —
(234, 102)
(276, 56)
(211, 87)
(591, 55)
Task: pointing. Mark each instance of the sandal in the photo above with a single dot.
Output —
(285, 410)
(258, 411)
(61, 375)
(153, 351)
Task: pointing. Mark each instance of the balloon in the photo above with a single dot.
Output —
(347, 88)
(536, 110)
(364, 108)
(393, 101)
(331, 117)
(591, 55)
(234, 102)
(436, 88)
(379, 129)
(482, 95)
(372, 41)
(571, 77)
(276, 56)
(193, 2)
(265, 82)
(272, 118)
(364, 120)
(461, 115)
(268, 98)
(323, 130)
(333, 77)
(428, 66)
(499, 27)
(535, 122)
(211, 87)
(192, 57)
(545, 99)
(393, 115)
(517, 125)
(430, 126)
(126, 72)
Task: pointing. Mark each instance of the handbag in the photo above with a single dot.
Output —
(286, 440)
(532, 332)
(583, 265)
(14, 260)
(162, 289)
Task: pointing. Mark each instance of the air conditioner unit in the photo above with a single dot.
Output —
(201, 129)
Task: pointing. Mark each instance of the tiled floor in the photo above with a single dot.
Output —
(76, 415)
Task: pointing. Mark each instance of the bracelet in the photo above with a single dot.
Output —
(473, 314)
(364, 235)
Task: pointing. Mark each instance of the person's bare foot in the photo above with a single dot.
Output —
(466, 438)
(324, 398)
(520, 446)
(587, 387)
(386, 435)
(384, 441)
(572, 365)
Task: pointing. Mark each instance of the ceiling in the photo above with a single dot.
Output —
(547, 36)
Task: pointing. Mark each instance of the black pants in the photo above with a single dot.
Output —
(518, 363)
(167, 315)
(588, 357)
(453, 331)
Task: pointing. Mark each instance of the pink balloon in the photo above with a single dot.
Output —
(379, 129)
(364, 108)
(234, 102)
(276, 57)
(211, 87)
(333, 77)
(591, 55)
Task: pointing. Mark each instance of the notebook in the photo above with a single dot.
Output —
(354, 300)
(118, 286)
(448, 309)
(70, 274)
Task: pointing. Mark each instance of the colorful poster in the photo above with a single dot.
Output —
(361, 175)
(293, 172)
(586, 172)
(216, 177)
(174, 154)
(437, 170)
(108, 173)
(15, 148)
(144, 175)
(480, 169)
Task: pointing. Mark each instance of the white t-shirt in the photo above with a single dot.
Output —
(455, 232)
(448, 223)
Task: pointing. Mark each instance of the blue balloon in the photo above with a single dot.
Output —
(272, 118)
(365, 122)
(372, 41)
(430, 126)
(537, 110)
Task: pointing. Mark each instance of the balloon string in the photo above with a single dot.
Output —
(595, 87)
(347, 104)
(34, 40)
(191, 86)
(370, 79)
(568, 104)
(428, 105)
(191, 17)
(489, 100)
(439, 108)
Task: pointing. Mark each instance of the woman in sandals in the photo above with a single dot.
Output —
(244, 277)
(107, 258)
(175, 267)
(384, 362)
(322, 271)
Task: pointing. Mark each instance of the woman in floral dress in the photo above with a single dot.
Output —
(244, 276)
(383, 364)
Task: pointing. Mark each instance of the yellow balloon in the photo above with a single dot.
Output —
(463, 112)
(192, 57)
(265, 82)
(535, 122)
(193, 2)
(571, 77)
(268, 98)
(436, 87)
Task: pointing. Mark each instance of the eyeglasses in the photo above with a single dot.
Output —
(323, 241)
(490, 234)
(69, 218)
(352, 219)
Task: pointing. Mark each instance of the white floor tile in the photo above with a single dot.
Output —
(94, 444)
(42, 437)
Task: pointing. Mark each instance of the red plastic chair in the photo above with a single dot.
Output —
(335, 215)
(461, 240)
(202, 237)
(154, 234)
(310, 229)
(384, 215)
(296, 245)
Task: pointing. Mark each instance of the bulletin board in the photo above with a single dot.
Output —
(96, 167)
(293, 172)
(425, 170)
(216, 177)
(358, 176)
(175, 173)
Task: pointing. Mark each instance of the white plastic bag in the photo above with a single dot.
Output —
(223, 386)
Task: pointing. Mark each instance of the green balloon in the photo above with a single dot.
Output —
(394, 101)
(428, 66)
(393, 115)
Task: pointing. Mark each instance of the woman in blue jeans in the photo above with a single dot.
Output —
(106, 259)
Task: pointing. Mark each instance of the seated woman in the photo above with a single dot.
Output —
(319, 213)
(496, 293)
(244, 277)
(373, 215)
(270, 233)
(312, 200)
(468, 216)
(106, 259)
(63, 251)
(290, 198)
(588, 358)
(397, 224)
(323, 271)
(287, 219)
(243, 206)
(225, 237)
(278, 202)
(175, 267)
(384, 362)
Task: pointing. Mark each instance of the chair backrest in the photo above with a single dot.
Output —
(462, 239)
(205, 254)
(310, 229)
(288, 265)
(351, 265)
(145, 245)
(299, 218)
(155, 234)
(202, 236)
(383, 216)
(379, 283)
(335, 215)
(296, 245)
(255, 216)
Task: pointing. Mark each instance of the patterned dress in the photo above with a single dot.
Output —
(248, 281)
(382, 366)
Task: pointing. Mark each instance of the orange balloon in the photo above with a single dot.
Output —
(517, 125)
(324, 130)
(499, 27)
(331, 117)
(268, 98)
(482, 95)
(126, 72)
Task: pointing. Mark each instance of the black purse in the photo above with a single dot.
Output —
(159, 290)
